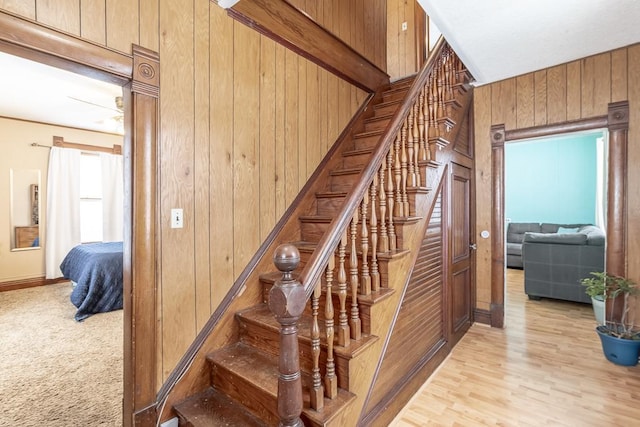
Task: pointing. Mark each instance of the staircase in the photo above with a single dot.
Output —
(372, 192)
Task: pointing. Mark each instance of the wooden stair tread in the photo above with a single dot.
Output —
(316, 218)
(261, 370)
(369, 133)
(261, 315)
(330, 194)
(212, 408)
(345, 171)
(357, 153)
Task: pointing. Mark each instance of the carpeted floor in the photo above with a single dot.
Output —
(55, 371)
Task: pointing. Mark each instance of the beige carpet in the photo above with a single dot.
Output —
(55, 371)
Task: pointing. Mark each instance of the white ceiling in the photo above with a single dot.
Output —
(37, 92)
(498, 39)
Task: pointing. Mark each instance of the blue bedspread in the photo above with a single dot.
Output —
(97, 270)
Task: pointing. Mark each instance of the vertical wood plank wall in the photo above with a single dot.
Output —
(243, 123)
(579, 89)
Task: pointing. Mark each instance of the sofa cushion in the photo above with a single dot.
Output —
(561, 239)
(553, 228)
(514, 248)
(516, 230)
(595, 236)
(563, 230)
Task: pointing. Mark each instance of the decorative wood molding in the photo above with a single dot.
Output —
(146, 72)
(32, 40)
(482, 316)
(59, 141)
(285, 24)
(13, 285)
(617, 123)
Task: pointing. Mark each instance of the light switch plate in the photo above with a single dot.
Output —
(176, 218)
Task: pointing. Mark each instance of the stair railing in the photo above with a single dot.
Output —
(345, 260)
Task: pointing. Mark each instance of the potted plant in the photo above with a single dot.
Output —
(620, 339)
(595, 288)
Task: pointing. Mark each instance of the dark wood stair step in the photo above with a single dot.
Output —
(211, 408)
(251, 377)
(378, 122)
(367, 139)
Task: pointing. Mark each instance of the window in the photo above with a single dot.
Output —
(90, 198)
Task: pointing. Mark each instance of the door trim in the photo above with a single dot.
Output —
(138, 74)
(617, 123)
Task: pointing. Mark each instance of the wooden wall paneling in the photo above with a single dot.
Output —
(482, 123)
(333, 117)
(557, 94)
(393, 39)
(281, 205)
(503, 97)
(202, 188)
(524, 100)
(93, 21)
(246, 146)
(633, 171)
(602, 84)
(221, 153)
(323, 142)
(588, 90)
(292, 163)
(267, 136)
(574, 90)
(409, 38)
(380, 21)
(26, 8)
(358, 18)
(122, 24)
(540, 99)
(149, 17)
(619, 75)
(368, 27)
(303, 145)
(177, 182)
(63, 15)
(313, 128)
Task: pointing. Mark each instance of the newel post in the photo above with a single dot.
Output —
(287, 301)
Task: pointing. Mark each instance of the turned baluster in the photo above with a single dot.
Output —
(411, 172)
(403, 202)
(440, 97)
(433, 132)
(375, 274)
(316, 393)
(384, 236)
(354, 321)
(416, 146)
(365, 278)
(344, 338)
(286, 301)
(397, 171)
(330, 378)
(423, 153)
(390, 227)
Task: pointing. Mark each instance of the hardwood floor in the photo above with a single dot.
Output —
(545, 368)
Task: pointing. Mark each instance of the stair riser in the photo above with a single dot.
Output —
(355, 160)
(259, 402)
(268, 340)
(376, 125)
(395, 95)
(343, 182)
(329, 206)
(386, 109)
(312, 231)
(367, 142)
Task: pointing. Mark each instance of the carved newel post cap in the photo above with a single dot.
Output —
(286, 259)
(287, 297)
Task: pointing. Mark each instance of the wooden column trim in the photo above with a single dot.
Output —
(498, 139)
(285, 24)
(618, 118)
(617, 124)
(141, 159)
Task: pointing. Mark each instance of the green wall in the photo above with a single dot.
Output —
(551, 180)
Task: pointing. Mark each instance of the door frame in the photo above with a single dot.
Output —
(138, 74)
(617, 123)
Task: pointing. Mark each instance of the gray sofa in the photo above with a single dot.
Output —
(554, 263)
(515, 235)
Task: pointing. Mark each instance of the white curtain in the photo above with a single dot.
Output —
(112, 197)
(63, 208)
(601, 182)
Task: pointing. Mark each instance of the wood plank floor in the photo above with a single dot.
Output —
(546, 368)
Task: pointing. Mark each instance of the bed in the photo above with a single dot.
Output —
(96, 269)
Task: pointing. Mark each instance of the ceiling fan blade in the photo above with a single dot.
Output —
(96, 105)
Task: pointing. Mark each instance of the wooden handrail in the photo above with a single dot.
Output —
(329, 241)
